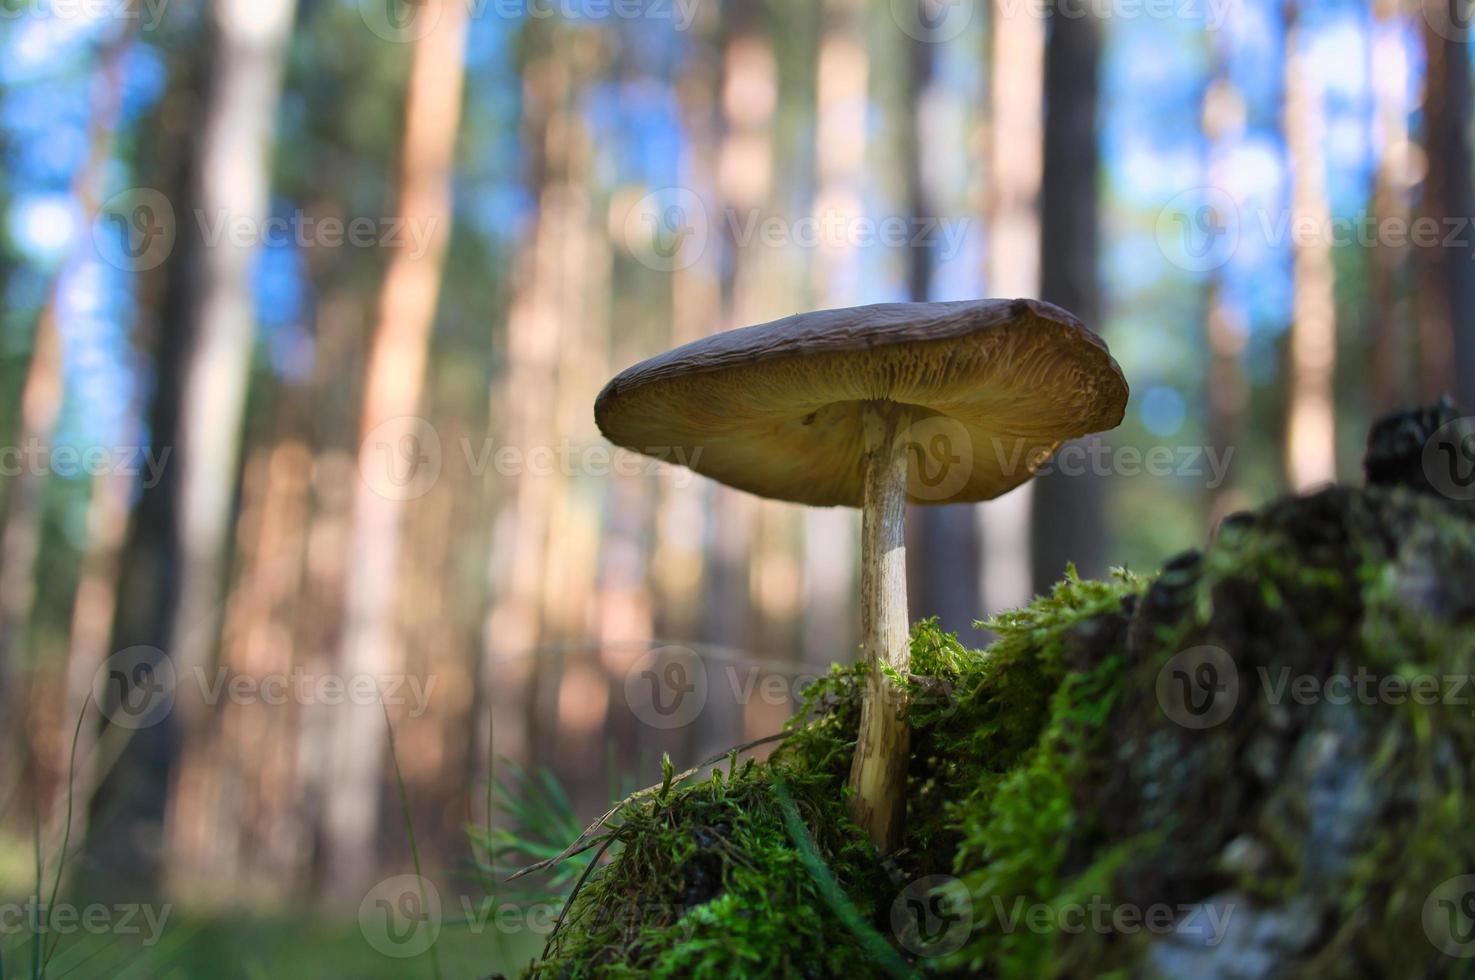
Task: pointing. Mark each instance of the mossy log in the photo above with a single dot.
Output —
(1259, 762)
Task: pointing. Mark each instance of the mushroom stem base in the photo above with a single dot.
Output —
(878, 772)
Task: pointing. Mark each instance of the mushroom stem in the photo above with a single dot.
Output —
(878, 772)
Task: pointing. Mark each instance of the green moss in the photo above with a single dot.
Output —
(1046, 775)
(707, 882)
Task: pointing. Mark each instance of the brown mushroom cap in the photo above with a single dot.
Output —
(994, 387)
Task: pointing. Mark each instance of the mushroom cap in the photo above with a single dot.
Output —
(993, 387)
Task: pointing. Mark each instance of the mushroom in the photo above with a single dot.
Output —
(870, 407)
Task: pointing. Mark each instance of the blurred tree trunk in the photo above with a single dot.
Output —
(744, 177)
(40, 405)
(579, 498)
(94, 608)
(1069, 513)
(317, 625)
(1447, 293)
(769, 282)
(1226, 329)
(513, 625)
(1311, 443)
(1014, 176)
(233, 819)
(176, 548)
(942, 556)
(717, 75)
(831, 551)
(396, 448)
(548, 301)
(122, 852)
(234, 187)
(1390, 344)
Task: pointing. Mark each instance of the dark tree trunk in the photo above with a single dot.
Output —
(122, 853)
(1447, 313)
(1068, 519)
(943, 572)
